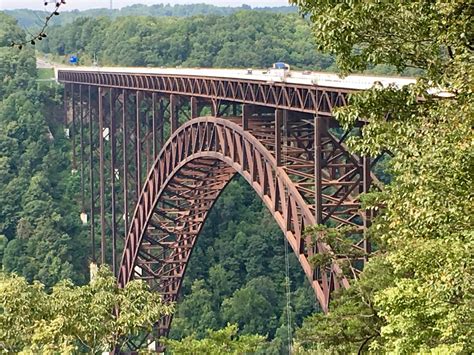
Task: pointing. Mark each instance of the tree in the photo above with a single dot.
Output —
(425, 225)
(254, 307)
(218, 342)
(91, 318)
(196, 313)
(45, 240)
(354, 321)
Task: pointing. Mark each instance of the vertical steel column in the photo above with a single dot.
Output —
(194, 107)
(112, 181)
(246, 113)
(173, 113)
(148, 134)
(125, 160)
(366, 181)
(278, 127)
(319, 125)
(73, 130)
(101, 177)
(91, 175)
(153, 124)
(161, 125)
(138, 158)
(81, 122)
(318, 205)
(66, 123)
(214, 108)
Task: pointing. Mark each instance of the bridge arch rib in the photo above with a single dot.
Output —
(186, 179)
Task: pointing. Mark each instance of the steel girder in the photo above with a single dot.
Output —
(187, 177)
(296, 162)
(311, 99)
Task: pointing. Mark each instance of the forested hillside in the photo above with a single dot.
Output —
(32, 18)
(40, 234)
(244, 39)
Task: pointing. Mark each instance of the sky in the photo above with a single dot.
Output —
(89, 4)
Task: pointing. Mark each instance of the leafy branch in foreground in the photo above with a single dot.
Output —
(343, 252)
(41, 33)
(74, 318)
(426, 299)
(353, 323)
(217, 342)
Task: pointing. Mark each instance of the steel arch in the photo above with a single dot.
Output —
(187, 177)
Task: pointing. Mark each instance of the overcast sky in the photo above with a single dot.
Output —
(88, 4)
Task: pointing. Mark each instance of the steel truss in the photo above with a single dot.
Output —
(156, 169)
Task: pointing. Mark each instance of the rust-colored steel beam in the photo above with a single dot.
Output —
(276, 135)
(303, 98)
(160, 239)
(73, 129)
(103, 240)
(82, 144)
(278, 129)
(125, 172)
(194, 107)
(138, 149)
(154, 125)
(91, 174)
(173, 113)
(246, 116)
(113, 148)
(318, 169)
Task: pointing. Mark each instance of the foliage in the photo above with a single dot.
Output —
(338, 239)
(45, 73)
(74, 318)
(425, 227)
(29, 18)
(40, 34)
(244, 39)
(223, 341)
(354, 320)
(236, 275)
(253, 307)
(45, 240)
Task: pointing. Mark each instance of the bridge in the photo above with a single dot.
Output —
(155, 148)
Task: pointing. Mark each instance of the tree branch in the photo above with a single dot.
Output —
(363, 344)
(41, 34)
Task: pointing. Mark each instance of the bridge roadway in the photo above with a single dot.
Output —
(305, 78)
(163, 173)
(311, 92)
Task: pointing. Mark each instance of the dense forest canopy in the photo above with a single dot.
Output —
(31, 18)
(244, 39)
(40, 236)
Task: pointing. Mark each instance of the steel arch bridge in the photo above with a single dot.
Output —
(156, 147)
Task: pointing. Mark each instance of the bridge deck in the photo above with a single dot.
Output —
(306, 78)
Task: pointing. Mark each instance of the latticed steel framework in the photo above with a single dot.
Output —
(155, 152)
